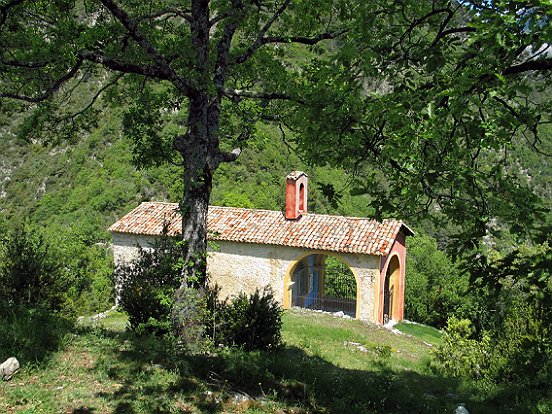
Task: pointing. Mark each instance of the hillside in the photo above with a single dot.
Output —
(73, 190)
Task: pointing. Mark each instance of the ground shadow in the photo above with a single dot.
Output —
(152, 378)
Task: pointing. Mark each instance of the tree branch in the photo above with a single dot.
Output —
(53, 88)
(230, 156)
(161, 61)
(150, 71)
(215, 20)
(259, 41)
(239, 93)
(170, 12)
(4, 10)
(292, 39)
(304, 40)
(223, 51)
(455, 30)
(537, 65)
(96, 96)
(24, 65)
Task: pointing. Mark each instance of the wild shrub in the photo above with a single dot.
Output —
(31, 334)
(147, 287)
(462, 356)
(435, 288)
(31, 274)
(252, 322)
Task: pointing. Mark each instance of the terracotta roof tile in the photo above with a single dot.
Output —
(312, 231)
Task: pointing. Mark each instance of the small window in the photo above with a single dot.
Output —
(302, 197)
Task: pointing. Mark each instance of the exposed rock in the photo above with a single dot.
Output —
(461, 409)
(97, 317)
(357, 345)
(8, 368)
(240, 398)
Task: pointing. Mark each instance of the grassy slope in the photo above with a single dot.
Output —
(104, 369)
(425, 333)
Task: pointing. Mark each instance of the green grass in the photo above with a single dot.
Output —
(425, 333)
(101, 368)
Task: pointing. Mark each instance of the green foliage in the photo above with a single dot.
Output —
(147, 287)
(435, 287)
(339, 281)
(252, 322)
(31, 334)
(422, 102)
(434, 104)
(31, 274)
(461, 356)
(520, 319)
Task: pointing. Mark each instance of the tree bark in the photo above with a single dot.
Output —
(194, 148)
(197, 178)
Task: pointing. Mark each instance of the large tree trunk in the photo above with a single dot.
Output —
(187, 313)
(195, 147)
(194, 206)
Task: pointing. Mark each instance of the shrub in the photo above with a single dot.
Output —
(461, 356)
(31, 335)
(252, 322)
(30, 273)
(148, 285)
(435, 288)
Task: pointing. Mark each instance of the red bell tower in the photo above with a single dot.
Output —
(296, 195)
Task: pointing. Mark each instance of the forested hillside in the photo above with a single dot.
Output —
(74, 190)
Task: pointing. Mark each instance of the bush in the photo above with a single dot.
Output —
(460, 356)
(148, 285)
(252, 322)
(31, 274)
(31, 335)
(151, 296)
(435, 288)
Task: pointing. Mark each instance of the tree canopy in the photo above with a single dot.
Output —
(436, 94)
(432, 94)
(195, 75)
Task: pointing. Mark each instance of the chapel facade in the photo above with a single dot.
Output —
(333, 263)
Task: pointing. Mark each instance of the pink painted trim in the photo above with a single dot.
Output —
(398, 249)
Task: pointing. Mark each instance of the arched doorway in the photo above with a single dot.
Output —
(391, 291)
(323, 282)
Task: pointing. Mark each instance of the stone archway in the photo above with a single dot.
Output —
(323, 282)
(391, 289)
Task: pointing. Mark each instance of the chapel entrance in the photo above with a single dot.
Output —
(324, 283)
(390, 290)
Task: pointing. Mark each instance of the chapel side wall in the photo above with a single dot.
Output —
(125, 247)
(125, 250)
(398, 249)
(243, 267)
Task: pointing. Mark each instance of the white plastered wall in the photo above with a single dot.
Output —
(125, 250)
(244, 267)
